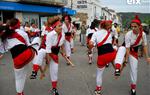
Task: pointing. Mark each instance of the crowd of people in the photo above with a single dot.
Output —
(57, 35)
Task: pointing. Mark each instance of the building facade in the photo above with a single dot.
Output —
(87, 10)
(32, 11)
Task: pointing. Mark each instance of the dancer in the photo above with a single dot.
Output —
(133, 39)
(22, 52)
(106, 53)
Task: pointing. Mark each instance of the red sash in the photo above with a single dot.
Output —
(26, 56)
(19, 37)
(54, 56)
(43, 45)
(132, 52)
(104, 59)
(69, 27)
(48, 29)
(68, 38)
(104, 40)
(138, 39)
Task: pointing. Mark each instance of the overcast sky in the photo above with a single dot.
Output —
(142, 6)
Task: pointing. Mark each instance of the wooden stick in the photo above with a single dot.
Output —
(68, 60)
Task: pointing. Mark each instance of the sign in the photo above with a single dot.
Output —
(132, 2)
(81, 4)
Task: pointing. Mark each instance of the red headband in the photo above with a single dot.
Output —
(136, 20)
(16, 26)
(55, 24)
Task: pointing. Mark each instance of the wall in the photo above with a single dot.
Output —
(90, 7)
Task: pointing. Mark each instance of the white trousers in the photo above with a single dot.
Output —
(53, 69)
(133, 69)
(20, 78)
(119, 59)
(120, 55)
(38, 59)
(99, 75)
(67, 46)
(72, 43)
(36, 43)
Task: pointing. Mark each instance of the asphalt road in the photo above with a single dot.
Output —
(79, 80)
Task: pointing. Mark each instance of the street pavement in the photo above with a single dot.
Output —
(78, 80)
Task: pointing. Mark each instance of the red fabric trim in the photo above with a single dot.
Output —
(134, 54)
(117, 66)
(138, 39)
(36, 67)
(43, 45)
(133, 86)
(104, 40)
(48, 28)
(20, 93)
(69, 27)
(55, 24)
(24, 58)
(98, 88)
(54, 57)
(68, 38)
(102, 60)
(19, 37)
(54, 84)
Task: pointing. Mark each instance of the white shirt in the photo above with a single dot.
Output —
(130, 39)
(114, 32)
(11, 42)
(88, 31)
(65, 29)
(98, 37)
(45, 32)
(52, 39)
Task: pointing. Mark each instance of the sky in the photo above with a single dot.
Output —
(142, 6)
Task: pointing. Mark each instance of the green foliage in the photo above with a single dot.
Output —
(146, 20)
(127, 17)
